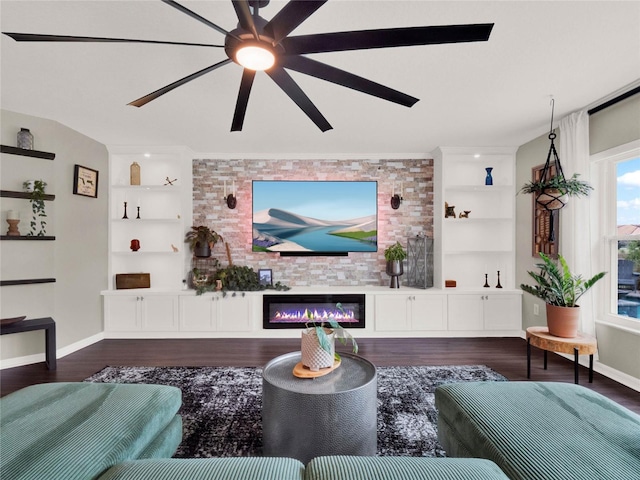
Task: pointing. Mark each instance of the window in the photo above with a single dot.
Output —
(628, 236)
(618, 193)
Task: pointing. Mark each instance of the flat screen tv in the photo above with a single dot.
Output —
(315, 217)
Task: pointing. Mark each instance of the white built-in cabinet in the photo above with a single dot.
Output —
(464, 250)
(143, 312)
(484, 311)
(410, 312)
(413, 312)
(183, 313)
(158, 214)
(213, 312)
(467, 248)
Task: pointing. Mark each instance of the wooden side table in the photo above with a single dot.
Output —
(579, 345)
(48, 325)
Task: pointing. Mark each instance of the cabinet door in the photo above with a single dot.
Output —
(429, 312)
(159, 313)
(392, 312)
(235, 314)
(503, 312)
(465, 312)
(122, 313)
(198, 314)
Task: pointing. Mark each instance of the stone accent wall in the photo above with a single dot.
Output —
(414, 216)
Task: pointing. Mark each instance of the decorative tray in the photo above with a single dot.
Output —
(301, 371)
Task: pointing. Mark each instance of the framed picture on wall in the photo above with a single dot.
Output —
(85, 181)
(266, 276)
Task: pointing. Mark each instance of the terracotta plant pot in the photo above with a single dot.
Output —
(313, 355)
(563, 321)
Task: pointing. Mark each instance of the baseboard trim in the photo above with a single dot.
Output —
(61, 352)
(616, 375)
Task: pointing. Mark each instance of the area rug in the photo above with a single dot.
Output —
(222, 406)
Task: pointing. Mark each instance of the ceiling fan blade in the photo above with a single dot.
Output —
(340, 77)
(387, 37)
(291, 88)
(290, 16)
(152, 96)
(193, 14)
(244, 17)
(34, 37)
(243, 98)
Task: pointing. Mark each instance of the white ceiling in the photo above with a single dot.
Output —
(494, 93)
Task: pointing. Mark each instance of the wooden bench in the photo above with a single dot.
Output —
(48, 325)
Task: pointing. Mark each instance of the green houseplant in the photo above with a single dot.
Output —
(394, 255)
(235, 278)
(318, 347)
(561, 290)
(201, 240)
(395, 252)
(553, 192)
(36, 189)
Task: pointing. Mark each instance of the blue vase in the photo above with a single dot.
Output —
(488, 180)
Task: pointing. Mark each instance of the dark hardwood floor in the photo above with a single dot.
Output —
(505, 355)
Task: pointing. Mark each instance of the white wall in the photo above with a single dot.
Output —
(78, 256)
(529, 155)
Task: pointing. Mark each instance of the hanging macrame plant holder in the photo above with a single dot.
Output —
(552, 199)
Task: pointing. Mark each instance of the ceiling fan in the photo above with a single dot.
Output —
(260, 45)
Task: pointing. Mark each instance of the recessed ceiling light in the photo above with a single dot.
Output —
(147, 155)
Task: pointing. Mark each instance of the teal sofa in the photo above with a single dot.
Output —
(73, 431)
(106, 431)
(319, 468)
(540, 430)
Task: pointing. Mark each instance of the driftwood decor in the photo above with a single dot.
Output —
(542, 221)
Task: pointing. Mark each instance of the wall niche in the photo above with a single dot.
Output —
(414, 216)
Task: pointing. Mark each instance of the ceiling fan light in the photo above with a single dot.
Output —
(255, 58)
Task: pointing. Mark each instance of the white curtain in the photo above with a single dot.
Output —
(576, 240)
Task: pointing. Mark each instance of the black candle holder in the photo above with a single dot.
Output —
(125, 211)
(498, 285)
(486, 281)
(138, 217)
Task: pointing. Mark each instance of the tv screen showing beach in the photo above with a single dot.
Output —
(315, 216)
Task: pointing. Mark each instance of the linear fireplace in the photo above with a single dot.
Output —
(288, 311)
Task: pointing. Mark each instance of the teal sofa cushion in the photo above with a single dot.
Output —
(78, 430)
(401, 468)
(539, 430)
(166, 442)
(248, 468)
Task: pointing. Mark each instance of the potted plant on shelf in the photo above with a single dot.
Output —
(234, 278)
(36, 189)
(201, 240)
(394, 255)
(552, 193)
(561, 290)
(318, 341)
